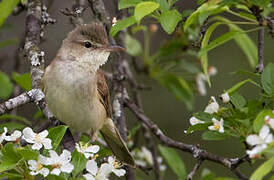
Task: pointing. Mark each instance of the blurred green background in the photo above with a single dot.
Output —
(161, 106)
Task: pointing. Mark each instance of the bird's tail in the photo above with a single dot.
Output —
(116, 143)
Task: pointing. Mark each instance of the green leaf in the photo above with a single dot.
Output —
(204, 58)
(268, 79)
(213, 136)
(203, 116)
(7, 7)
(6, 86)
(237, 100)
(237, 86)
(8, 42)
(9, 158)
(56, 134)
(203, 12)
(23, 80)
(178, 86)
(174, 161)
(127, 3)
(144, 8)
(12, 126)
(79, 161)
(263, 170)
(244, 42)
(218, 41)
(28, 153)
(11, 176)
(122, 24)
(18, 118)
(169, 20)
(163, 4)
(260, 119)
(133, 46)
(198, 127)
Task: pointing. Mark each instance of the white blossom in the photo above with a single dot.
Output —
(14, 136)
(60, 163)
(144, 158)
(201, 84)
(217, 125)
(201, 80)
(212, 71)
(259, 141)
(225, 97)
(269, 121)
(114, 165)
(88, 151)
(212, 107)
(114, 21)
(102, 173)
(37, 167)
(3, 135)
(38, 140)
(193, 121)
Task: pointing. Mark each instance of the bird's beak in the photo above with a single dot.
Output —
(114, 48)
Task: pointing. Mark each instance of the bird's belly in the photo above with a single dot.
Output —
(72, 101)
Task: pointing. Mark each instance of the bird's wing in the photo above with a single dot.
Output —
(109, 130)
(102, 89)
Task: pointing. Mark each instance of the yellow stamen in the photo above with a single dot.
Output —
(216, 126)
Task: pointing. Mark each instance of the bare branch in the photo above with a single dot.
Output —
(194, 150)
(195, 169)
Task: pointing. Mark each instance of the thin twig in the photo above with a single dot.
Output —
(195, 169)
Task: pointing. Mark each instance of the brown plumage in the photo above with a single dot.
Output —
(76, 90)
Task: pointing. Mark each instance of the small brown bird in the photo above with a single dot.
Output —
(76, 91)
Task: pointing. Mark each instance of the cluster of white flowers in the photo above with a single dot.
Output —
(201, 80)
(260, 141)
(212, 107)
(102, 173)
(58, 163)
(144, 158)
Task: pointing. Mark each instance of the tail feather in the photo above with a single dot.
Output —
(116, 143)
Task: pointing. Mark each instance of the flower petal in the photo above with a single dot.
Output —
(212, 128)
(65, 156)
(92, 167)
(264, 132)
(67, 168)
(36, 146)
(44, 172)
(55, 171)
(253, 139)
(32, 164)
(119, 172)
(28, 133)
(105, 170)
(88, 176)
(43, 134)
(268, 139)
(43, 160)
(93, 148)
(47, 143)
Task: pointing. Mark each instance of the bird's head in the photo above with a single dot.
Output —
(89, 44)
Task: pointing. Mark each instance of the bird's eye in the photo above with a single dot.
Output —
(88, 44)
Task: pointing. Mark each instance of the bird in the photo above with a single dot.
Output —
(76, 91)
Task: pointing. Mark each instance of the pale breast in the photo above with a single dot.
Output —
(71, 95)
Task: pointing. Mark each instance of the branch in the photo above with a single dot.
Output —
(194, 150)
(195, 169)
